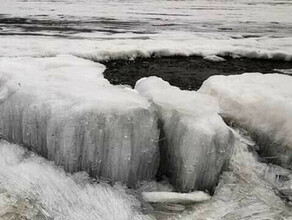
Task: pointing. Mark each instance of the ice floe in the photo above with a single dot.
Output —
(262, 103)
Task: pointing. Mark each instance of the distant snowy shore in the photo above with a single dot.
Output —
(266, 48)
(100, 30)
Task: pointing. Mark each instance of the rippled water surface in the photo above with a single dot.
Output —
(114, 19)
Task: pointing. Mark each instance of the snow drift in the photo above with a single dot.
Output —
(62, 108)
(263, 105)
(195, 142)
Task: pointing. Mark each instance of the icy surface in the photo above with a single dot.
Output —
(173, 197)
(32, 188)
(263, 105)
(65, 110)
(195, 142)
(247, 191)
(51, 110)
(101, 29)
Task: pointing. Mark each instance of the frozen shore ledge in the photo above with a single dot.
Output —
(62, 108)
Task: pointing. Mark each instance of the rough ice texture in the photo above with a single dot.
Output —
(248, 190)
(62, 108)
(33, 188)
(263, 105)
(195, 143)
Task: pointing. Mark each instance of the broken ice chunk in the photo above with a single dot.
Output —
(262, 104)
(62, 108)
(173, 197)
(195, 142)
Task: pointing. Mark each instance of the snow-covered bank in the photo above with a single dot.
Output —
(195, 142)
(63, 108)
(180, 44)
(263, 105)
(117, 29)
(32, 188)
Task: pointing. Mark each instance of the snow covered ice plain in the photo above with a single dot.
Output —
(60, 106)
(250, 28)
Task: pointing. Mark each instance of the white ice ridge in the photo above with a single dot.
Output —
(168, 44)
(195, 142)
(262, 104)
(65, 110)
(33, 188)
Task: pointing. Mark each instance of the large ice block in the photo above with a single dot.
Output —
(62, 108)
(195, 142)
(262, 103)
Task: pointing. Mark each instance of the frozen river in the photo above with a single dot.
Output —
(42, 43)
(105, 29)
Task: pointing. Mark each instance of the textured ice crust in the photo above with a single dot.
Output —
(263, 105)
(63, 109)
(195, 143)
(248, 190)
(33, 188)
